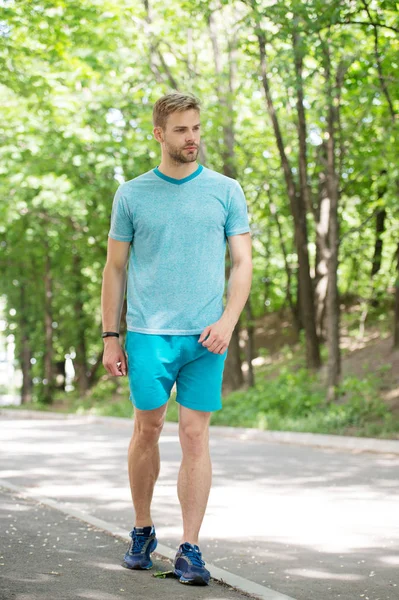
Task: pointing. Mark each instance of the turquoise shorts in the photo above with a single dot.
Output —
(156, 362)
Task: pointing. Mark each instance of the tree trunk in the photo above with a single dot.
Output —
(298, 211)
(304, 191)
(301, 124)
(250, 343)
(393, 113)
(225, 100)
(48, 380)
(379, 230)
(233, 375)
(26, 367)
(80, 362)
(293, 307)
(233, 378)
(26, 352)
(266, 279)
(322, 217)
(396, 313)
(333, 312)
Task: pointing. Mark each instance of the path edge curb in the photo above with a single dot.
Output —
(224, 577)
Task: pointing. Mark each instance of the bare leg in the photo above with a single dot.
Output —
(144, 461)
(195, 475)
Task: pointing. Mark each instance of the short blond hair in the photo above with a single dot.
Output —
(170, 103)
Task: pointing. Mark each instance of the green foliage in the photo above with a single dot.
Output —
(109, 397)
(104, 390)
(78, 81)
(290, 401)
(295, 401)
(172, 413)
(291, 393)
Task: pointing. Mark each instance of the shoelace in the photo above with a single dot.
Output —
(138, 543)
(195, 557)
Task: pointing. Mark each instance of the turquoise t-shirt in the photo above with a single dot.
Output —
(177, 229)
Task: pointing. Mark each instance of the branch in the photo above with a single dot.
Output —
(379, 65)
(154, 48)
(179, 57)
(373, 214)
(172, 81)
(367, 23)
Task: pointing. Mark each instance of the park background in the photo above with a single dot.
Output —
(300, 104)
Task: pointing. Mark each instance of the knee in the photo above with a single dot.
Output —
(147, 432)
(193, 439)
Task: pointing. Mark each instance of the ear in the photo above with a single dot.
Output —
(158, 134)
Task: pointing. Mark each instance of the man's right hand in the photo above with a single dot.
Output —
(114, 359)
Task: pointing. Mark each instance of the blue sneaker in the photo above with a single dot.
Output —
(189, 566)
(143, 543)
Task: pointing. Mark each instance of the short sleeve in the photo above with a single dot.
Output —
(121, 222)
(237, 216)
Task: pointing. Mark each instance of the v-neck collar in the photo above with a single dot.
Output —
(178, 181)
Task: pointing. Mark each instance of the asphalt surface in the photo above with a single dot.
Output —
(310, 523)
(47, 555)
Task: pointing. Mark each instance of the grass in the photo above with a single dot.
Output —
(294, 400)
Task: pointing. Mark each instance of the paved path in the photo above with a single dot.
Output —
(310, 523)
(47, 555)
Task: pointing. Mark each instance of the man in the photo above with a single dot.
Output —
(175, 219)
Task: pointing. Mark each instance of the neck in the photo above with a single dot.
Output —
(177, 170)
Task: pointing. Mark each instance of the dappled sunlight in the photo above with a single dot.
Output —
(316, 574)
(343, 531)
(10, 473)
(169, 439)
(4, 506)
(259, 361)
(298, 506)
(392, 394)
(38, 578)
(116, 506)
(96, 594)
(68, 551)
(102, 565)
(350, 343)
(390, 560)
(87, 490)
(282, 241)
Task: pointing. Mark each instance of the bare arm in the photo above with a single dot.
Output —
(112, 295)
(239, 285)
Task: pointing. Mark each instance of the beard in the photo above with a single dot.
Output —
(180, 155)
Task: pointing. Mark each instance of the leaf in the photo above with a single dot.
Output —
(164, 574)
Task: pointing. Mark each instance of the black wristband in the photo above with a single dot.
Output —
(110, 334)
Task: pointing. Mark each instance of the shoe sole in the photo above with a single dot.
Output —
(198, 580)
(138, 567)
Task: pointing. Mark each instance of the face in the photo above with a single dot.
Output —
(181, 137)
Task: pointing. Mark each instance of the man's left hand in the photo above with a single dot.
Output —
(219, 336)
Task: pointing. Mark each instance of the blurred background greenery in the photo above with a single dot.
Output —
(300, 104)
